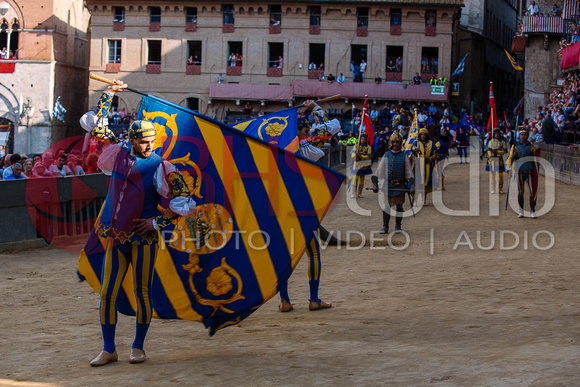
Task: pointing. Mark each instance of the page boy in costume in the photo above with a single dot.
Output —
(496, 148)
(362, 154)
(312, 137)
(139, 179)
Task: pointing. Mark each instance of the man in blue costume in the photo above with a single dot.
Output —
(312, 137)
(139, 179)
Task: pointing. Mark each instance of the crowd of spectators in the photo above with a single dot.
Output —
(562, 114)
(48, 164)
(534, 10)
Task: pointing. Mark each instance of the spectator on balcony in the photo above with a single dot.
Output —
(391, 66)
(555, 11)
(352, 69)
(378, 80)
(220, 78)
(314, 18)
(231, 59)
(312, 66)
(321, 66)
(330, 78)
(196, 60)
(238, 60)
(321, 76)
(417, 79)
(424, 65)
(533, 9)
(190, 60)
(248, 109)
(4, 53)
(274, 21)
(340, 78)
(399, 64)
(228, 15)
(280, 62)
(363, 68)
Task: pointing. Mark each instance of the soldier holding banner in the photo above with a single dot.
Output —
(496, 148)
(361, 153)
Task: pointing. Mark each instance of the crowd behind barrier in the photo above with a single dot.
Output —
(49, 204)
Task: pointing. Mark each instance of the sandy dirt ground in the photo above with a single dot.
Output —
(434, 312)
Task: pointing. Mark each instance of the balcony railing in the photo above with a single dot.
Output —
(314, 30)
(153, 69)
(192, 69)
(274, 72)
(314, 74)
(542, 24)
(113, 68)
(234, 70)
(430, 30)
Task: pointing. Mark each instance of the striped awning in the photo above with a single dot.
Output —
(542, 24)
(571, 9)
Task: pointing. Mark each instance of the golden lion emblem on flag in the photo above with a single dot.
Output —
(273, 127)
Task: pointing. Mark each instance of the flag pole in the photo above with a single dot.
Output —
(105, 80)
(360, 131)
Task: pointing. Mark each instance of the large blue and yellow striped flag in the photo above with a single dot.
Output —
(412, 136)
(258, 207)
(278, 128)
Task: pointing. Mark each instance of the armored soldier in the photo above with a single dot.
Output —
(524, 171)
(396, 172)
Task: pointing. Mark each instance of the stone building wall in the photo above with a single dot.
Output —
(542, 72)
(337, 31)
(52, 62)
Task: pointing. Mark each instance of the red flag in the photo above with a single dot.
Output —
(492, 123)
(507, 123)
(369, 130)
